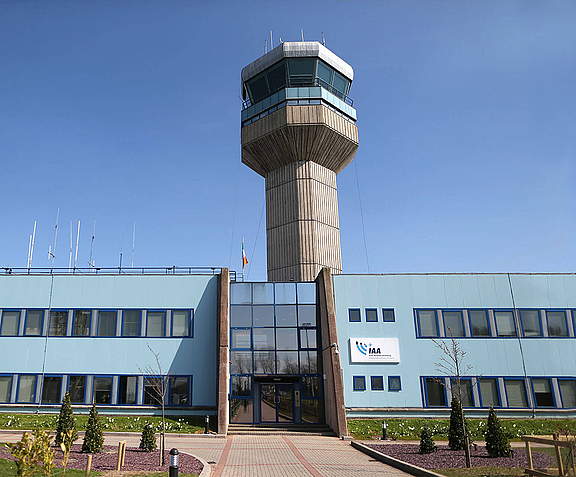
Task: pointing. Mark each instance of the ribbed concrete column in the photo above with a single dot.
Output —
(302, 226)
(223, 350)
(333, 385)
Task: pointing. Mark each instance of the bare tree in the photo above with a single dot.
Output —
(451, 364)
(159, 382)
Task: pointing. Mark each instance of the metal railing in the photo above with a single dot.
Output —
(304, 82)
(174, 270)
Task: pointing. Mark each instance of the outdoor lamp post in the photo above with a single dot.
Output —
(173, 469)
(384, 437)
(207, 425)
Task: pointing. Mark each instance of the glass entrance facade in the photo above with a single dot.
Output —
(275, 358)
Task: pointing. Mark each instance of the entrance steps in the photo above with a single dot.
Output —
(280, 429)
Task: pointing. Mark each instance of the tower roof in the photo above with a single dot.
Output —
(297, 49)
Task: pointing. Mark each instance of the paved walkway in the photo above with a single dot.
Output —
(274, 456)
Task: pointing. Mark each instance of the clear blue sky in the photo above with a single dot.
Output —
(124, 111)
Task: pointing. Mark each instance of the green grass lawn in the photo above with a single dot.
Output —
(409, 429)
(182, 425)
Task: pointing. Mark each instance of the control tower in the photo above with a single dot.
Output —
(299, 131)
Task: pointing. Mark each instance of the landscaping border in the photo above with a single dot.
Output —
(398, 464)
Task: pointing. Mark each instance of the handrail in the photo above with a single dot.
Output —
(554, 441)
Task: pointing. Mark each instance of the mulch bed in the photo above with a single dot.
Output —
(445, 458)
(136, 459)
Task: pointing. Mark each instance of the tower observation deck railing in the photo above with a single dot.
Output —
(174, 270)
(303, 82)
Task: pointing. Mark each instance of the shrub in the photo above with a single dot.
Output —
(33, 454)
(94, 437)
(456, 439)
(66, 421)
(427, 445)
(497, 443)
(148, 439)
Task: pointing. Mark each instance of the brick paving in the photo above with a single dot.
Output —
(263, 456)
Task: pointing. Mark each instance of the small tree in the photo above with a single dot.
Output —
(66, 421)
(427, 445)
(94, 437)
(33, 453)
(458, 427)
(148, 439)
(497, 443)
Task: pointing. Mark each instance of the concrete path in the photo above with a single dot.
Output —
(256, 456)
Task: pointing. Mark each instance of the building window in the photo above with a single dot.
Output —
(465, 391)
(241, 362)
(306, 315)
(287, 362)
(154, 390)
(240, 315)
(127, 388)
(103, 390)
(5, 388)
(359, 383)
(82, 319)
(156, 323)
(264, 338)
(34, 322)
(394, 383)
(489, 394)
(377, 383)
(241, 386)
(505, 326)
(371, 315)
(286, 315)
(179, 390)
(568, 392)
(308, 338)
(26, 388)
(51, 388)
(77, 388)
(311, 386)
(107, 323)
(354, 315)
(262, 315)
(181, 322)
(308, 362)
(287, 339)
(479, 323)
(10, 323)
(240, 338)
(557, 327)
(264, 362)
(530, 320)
(427, 323)
(453, 324)
(131, 322)
(516, 392)
(388, 315)
(58, 323)
(542, 393)
(435, 393)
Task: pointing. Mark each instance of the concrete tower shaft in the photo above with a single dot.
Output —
(299, 131)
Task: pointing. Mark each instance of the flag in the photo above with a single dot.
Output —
(244, 259)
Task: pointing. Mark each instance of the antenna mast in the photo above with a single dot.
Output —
(52, 250)
(77, 240)
(133, 241)
(70, 256)
(90, 263)
(31, 247)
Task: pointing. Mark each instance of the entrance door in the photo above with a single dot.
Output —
(276, 402)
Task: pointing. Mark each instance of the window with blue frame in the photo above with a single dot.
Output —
(388, 315)
(131, 322)
(371, 315)
(453, 323)
(103, 390)
(156, 323)
(531, 326)
(127, 389)
(567, 392)
(5, 388)
(77, 389)
(516, 392)
(394, 383)
(81, 323)
(557, 325)
(489, 393)
(241, 386)
(427, 323)
(34, 322)
(542, 389)
(179, 390)
(434, 392)
(241, 338)
(359, 383)
(182, 322)
(26, 388)
(465, 391)
(354, 315)
(479, 325)
(51, 389)
(10, 323)
(107, 323)
(376, 383)
(58, 323)
(505, 324)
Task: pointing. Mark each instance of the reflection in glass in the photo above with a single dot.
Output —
(285, 293)
(543, 393)
(263, 293)
(435, 393)
(33, 323)
(240, 315)
(179, 390)
(306, 315)
(557, 324)
(241, 339)
(82, 320)
(505, 323)
(264, 362)
(465, 390)
(241, 362)
(102, 390)
(263, 338)
(287, 362)
(241, 410)
(308, 362)
(241, 386)
(312, 410)
(180, 323)
(153, 391)
(240, 293)
(453, 323)
(156, 323)
(306, 293)
(286, 315)
(263, 315)
(308, 338)
(479, 322)
(311, 386)
(127, 389)
(76, 386)
(58, 321)
(26, 388)
(530, 322)
(286, 338)
(51, 389)
(285, 402)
